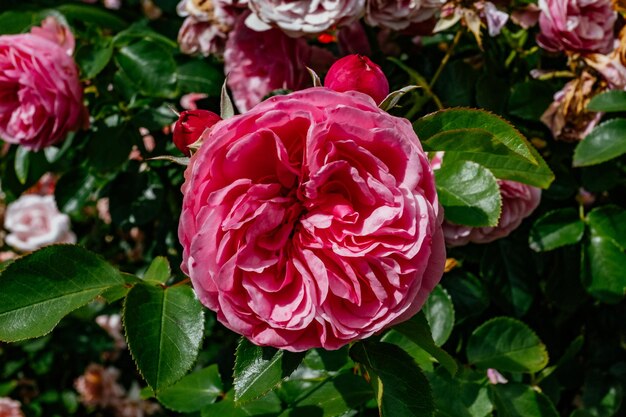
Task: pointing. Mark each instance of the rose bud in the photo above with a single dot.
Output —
(190, 125)
(358, 73)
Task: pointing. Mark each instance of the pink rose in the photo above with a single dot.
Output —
(202, 37)
(311, 221)
(301, 17)
(10, 408)
(399, 14)
(34, 221)
(41, 98)
(518, 202)
(54, 31)
(576, 25)
(358, 73)
(259, 62)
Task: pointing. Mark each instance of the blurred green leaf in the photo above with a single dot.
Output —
(159, 270)
(610, 222)
(194, 391)
(555, 229)
(602, 269)
(74, 190)
(22, 160)
(609, 101)
(266, 406)
(605, 142)
(259, 369)
(198, 76)
(469, 193)
(518, 400)
(164, 329)
(506, 344)
(530, 99)
(135, 198)
(465, 395)
(468, 293)
(38, 290)
(401, 387)
(92, 59)
(91, 14)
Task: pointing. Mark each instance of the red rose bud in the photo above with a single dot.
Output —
(358, 73)
(190, 126)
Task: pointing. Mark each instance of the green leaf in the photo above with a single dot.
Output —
(38, 290)
(259, 369)
(605, 142)
(469, 193)
(530, 99)
(198, 76)
(463, 118)
(519, 400)
(555, 229)
(21, 164)
(266, 406)
(602, 269)
(135, 198)
(401, 387)
(109, 146)
(74, 189)
(468, 293)
(92, 59)
(465, 395)
(418, 331)
(89, 14)
(226, 104)
(194, 391)
(506, 344)
(439, 312)
(332, 398)
(13, 21)
(609, 101)
(610, 222)
(159, 270)
(422, 358)
(150, 66)
(164, 328)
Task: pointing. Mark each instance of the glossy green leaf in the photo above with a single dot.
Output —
(468, 293)
(266, 406)
(134, 59)
(92, 59)
(259, 369)
(530, 99)
(605, 142)
(401, 387)
(439, 312)
(422, 358)
(22, 159)
(164, 328)
(332, 398)
(506, 344)
(602, 269)
(466, 395)
(609, 222)
(17, 21)
(159, 270)
(38, 290)
(469, 193)
(194, 391)
(555, 229)
(74, 189)
(418, 331)
(198, 76)
(609, 101)
(519, 400)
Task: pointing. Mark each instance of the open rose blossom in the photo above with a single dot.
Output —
(518, 202)
(358, 73)
(40, 93)
(576, 25)
(301, 17)
(10, 408)
(34, 221)
(311, 221)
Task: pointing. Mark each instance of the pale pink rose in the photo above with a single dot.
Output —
(40, 93)
(56, 32)
(10, 408)
(399, 14)
(518, 202)
(98, 386)
(311, 221)
(259, 62)
(301, 17)
(202, 37)
(221, 11)
(34, 221)
(576, 25)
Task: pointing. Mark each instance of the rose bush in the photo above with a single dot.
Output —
(332, 237)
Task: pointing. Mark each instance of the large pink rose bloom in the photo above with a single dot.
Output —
(518, 202)
(301, 17)
(576, 25)
(311, 221)
(10, 408)
(258, 63)
(41, 98)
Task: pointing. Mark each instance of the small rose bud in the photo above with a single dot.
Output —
(190, 125)
(358, 73)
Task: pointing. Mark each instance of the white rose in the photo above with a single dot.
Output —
(34, 221)
(300, 17)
